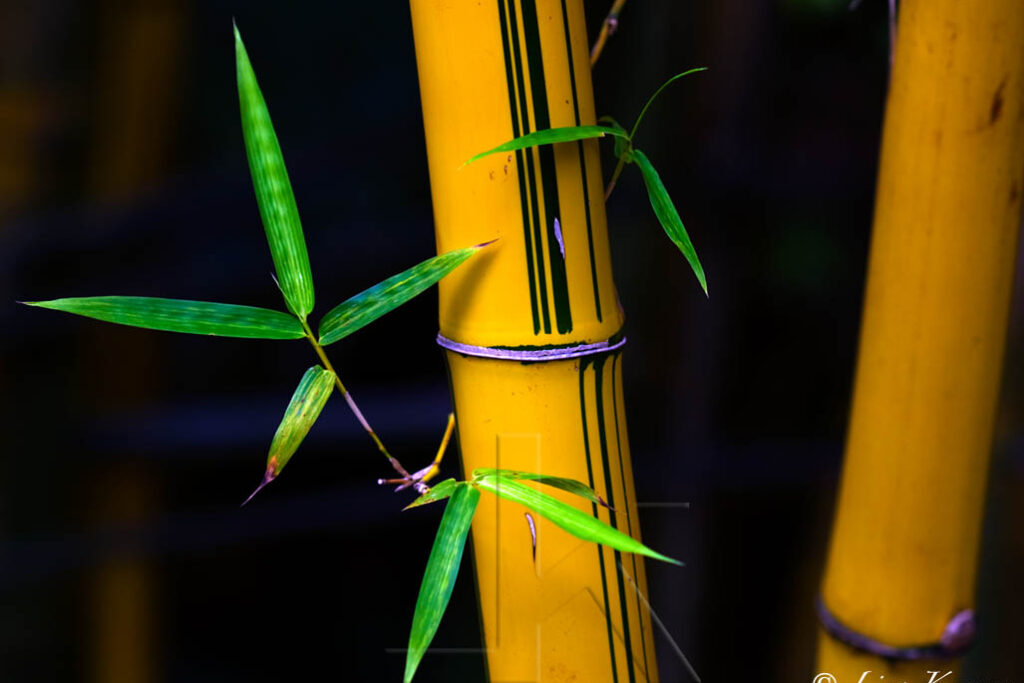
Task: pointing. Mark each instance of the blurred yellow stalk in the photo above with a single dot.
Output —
(904, 550)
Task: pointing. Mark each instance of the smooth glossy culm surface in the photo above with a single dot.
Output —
(905, 541)
(490, 72)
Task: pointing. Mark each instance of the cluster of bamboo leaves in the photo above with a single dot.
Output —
(446, 554)
(626, 153)
(283, 229)
(291, 263)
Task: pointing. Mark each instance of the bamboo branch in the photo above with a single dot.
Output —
(608, 27)
(352, 404)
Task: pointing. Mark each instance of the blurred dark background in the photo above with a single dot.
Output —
(123, 553)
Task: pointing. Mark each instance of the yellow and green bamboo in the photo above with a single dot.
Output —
(489, 72)
(903, 556)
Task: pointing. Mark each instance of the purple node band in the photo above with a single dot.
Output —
(531, 355)
(957, 638)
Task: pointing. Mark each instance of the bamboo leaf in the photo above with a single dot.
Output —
(667, 215)
(550, 136)
(384, 297)
(273, 190)
(612, 123)
(576, 522)
(571, 485)
(180, 315)
(309, 398)
(622, 142)
(436, 493)
(439, 578)
(650, 100)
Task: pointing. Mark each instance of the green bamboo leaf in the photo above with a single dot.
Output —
(436, 493)
(667, 215)
(180, 315)
(622, 142)
(439, 578)
(612, 123)
(571, 485)
(550, 136)
(650, 100)
(273, 190)
(576, 522)
(384, 297)
(309, 398)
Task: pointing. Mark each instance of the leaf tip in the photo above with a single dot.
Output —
(412, 662)
(486, 244)
(41, 304)
(472, 159)
(268, 477)
(698, 270)
(666, 558)
(419, 502)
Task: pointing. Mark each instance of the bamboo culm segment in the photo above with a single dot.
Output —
(904, 548)
(490, 72)
(568, 422)
(549, 281)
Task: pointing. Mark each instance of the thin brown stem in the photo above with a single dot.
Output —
(352, 404)
(608, 26)
(615, 177)
(419, 479)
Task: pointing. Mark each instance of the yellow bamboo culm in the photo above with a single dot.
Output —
(903, 556)
(532, 326)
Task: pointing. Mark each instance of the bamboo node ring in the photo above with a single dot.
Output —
(957, 637)
(529, 354)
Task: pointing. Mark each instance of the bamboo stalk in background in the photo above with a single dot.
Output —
(904, 550)
(141, 44)
(532, 331)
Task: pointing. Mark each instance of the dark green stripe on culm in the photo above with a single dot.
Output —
(625, 506)
(610, 497)
(590, 480)
(527, 240)
(583, 161)
(548, 177)
(531, 172)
